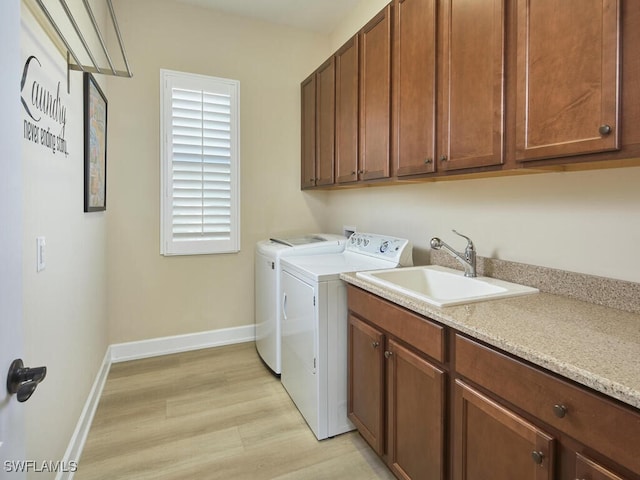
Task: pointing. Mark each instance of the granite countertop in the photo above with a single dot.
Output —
(594, 345)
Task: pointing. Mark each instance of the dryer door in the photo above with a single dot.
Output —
(300, 345)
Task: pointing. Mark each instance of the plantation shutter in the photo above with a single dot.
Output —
(200, 205)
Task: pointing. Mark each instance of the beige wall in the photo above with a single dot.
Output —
(105, 281)
(65, 320)
(586, 222)
(153, 296)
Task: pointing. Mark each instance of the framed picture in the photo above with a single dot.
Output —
(95, 146)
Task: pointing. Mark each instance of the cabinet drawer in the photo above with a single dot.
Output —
(591, 419)
(417, 331)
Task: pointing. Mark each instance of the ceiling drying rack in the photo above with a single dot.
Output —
(93, 67)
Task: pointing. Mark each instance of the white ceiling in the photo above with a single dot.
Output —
(317, 15)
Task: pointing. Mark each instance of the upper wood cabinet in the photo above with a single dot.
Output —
(433, 87)
(467, 120)
(318, 126)
(414, 87)
(567, 77)
(472, 87)
(347, 67)
(375, 97)
(325, 122)
(308, 132)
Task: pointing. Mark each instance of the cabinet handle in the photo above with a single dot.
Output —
(559, 410)
(443, 158)
(427, 161)
(353, 173)
(605, 129)
(538, 457)
(375, 344)
(387, 354)
(360, 172)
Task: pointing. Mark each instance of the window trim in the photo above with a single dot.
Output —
(168, 245)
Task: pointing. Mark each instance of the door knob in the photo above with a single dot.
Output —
(24, 380)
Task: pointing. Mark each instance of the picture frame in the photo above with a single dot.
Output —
(95, 145)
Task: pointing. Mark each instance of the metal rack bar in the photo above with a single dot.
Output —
(79, 33)
(115, 26)
(55, 27)
(78, 64)
(99, 34)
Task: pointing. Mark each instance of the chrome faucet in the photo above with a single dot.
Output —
(467, 259)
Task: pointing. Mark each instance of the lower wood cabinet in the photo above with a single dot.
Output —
(436, 405)
(396, 400)
(587, 469)
(415, 414)
(365, 395)
(492, 442)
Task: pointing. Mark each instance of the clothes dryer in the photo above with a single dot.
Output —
(314, 325)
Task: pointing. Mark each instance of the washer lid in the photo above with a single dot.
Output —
(298, 240)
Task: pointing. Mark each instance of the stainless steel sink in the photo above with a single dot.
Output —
(443, 286)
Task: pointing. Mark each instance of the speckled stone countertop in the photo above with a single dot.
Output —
(594, 345)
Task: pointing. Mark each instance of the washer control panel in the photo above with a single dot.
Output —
(398, 250)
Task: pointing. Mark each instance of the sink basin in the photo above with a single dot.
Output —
(443, 286)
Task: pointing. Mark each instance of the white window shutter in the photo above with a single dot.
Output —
(200, 164)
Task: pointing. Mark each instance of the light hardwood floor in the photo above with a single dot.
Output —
(211, 414)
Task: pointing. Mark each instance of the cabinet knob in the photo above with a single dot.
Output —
(360, 172)
(538, 457)
(427, 161)
(604, 129)
(559, 410)
(375, 344)
(353, 173)
(443, 158)
(387, 354)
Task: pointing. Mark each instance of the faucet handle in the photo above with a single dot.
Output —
(469, 242)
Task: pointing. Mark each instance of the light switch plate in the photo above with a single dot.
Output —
(41, 243)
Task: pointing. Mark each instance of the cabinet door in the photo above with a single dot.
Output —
(308, 102)
(414, 91)
(366, 382)
(493, 442)
(415, 415)
(347, 112)
(567, 77)
(587, 469)
(472, 118)
(375, 96)
(325, 122)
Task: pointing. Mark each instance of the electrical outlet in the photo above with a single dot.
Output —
(348, 230)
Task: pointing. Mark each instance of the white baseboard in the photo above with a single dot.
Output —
(76, 444)
(121, 352)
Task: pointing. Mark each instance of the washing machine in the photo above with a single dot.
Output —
(268, 253)
(314, 325)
